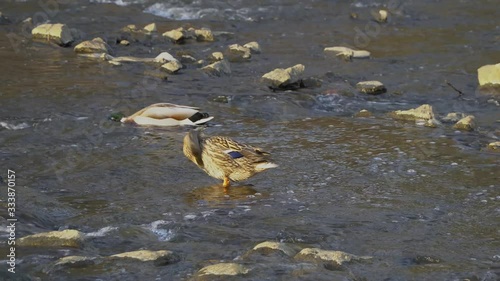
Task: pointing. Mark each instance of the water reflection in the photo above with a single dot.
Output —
(214, 195)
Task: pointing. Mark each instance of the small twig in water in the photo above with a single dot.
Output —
(460, 93)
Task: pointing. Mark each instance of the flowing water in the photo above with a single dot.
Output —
(394, 190)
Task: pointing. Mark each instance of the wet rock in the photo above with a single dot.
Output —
(164, 57)
(162, 257)
(204, 34)
(380, 16)
(253, 46)
(489, 75)
(311, 82)
(156, 74)
(64, 238)
(124, 42)
(282, 77)
(453, 117)
(423, 112)
(494, 146)
(57, 33)
(363, 113)
(239, 52)
(96, 45)
(130, 28)
(75, 261)
(331, 258)
(172, 66)
(216, 56)
(466, 124)
(176, 35)
(371, 87)
(218, 68)
(347, 52)
(272, 246)
(223, 269)
(4, 19)
(150, 28)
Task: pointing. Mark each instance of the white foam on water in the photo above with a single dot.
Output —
(101, 232)
(118, 2)
(9, 126)
(163, 234)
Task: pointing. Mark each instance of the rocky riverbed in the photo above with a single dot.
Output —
(383, 118)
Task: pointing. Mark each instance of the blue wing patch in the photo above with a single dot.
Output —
(234, 154)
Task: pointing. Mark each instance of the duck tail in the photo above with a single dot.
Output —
(200, 118)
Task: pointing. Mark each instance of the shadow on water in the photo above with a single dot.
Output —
(214, 196)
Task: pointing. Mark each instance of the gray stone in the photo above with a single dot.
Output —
(423, 112)
(162, 257)
(465, 124)
(64, 238)
(371, 87)
(227, 269)
(334, 258)
(218, 68)
(164, 57)
(489, 75)
(253, 46)
(57, 33)
(124, 42)
(187, 59)
(281, 77)
(96, 45)
(172, 66)
(130, 28)
(380, 16)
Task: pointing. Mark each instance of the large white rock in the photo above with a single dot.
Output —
(489, 75)
(282, 77)
(64, 238)
(96, 45)
(57, 33)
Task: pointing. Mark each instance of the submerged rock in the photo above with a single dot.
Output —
(239, 52)
(272, 246)
(57, 33)
(332, 258)
(253, 46)
(187, 59)
(172, 66)
(371, 87)
(347, 52)
(453, 117)
(75, 261)
(218, 68)
(228, 269)
(4, 19)
(489, 75)
(363, 113)
(96, 45)
(466, 124)
(282, 77)
(162, 257)
(64, 238)
(423, 112)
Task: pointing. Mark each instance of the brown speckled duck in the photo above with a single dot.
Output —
(225, 159)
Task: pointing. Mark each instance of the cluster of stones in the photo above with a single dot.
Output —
(334, 260)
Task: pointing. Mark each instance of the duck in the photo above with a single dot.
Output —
(224, 158)
(165, 114)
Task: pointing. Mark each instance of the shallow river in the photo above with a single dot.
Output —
(423, 202)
